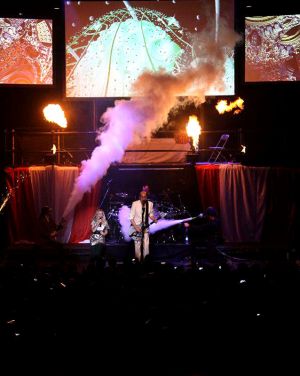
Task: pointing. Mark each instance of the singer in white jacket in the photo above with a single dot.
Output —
(140, 213)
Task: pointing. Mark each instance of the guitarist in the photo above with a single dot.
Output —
(141, 211)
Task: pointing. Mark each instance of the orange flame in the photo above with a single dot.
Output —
(222, 106)
(193, 129)
(55, 114)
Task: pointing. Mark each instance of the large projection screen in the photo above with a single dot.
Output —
(26, 53)
(110, 43)
(272, 48)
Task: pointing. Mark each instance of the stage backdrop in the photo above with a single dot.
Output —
(255, 203)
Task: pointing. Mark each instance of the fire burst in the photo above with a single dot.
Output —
(55, 114)
(222, 106)
(193, 130)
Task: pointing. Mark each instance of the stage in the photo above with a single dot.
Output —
(77, 257)
(255, 204)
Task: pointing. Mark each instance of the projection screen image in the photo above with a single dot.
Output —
(110, 43)
(272, 48)
(26, 51)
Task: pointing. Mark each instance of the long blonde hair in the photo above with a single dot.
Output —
(96, 218)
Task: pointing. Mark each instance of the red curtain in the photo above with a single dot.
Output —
(84, 212)
(23, 217)
(208, 185)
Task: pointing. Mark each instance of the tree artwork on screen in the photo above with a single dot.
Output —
(110, 44)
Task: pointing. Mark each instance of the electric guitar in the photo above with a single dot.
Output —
(135, 235)
(10, 192)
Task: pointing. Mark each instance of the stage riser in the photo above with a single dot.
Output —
(82, 253)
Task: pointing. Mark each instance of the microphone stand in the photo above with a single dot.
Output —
(143, 229)
(105, 194)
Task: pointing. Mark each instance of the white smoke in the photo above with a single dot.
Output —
(155, 96)
(161, 224)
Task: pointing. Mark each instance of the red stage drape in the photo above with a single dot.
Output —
(208, 185)
(255, 203)
(84, 212)
(243, 202)
(26, 201)
(23, 217)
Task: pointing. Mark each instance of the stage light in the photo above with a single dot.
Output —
(242, 281)
(243, 149)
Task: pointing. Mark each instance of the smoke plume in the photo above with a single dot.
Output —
(155, 96)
